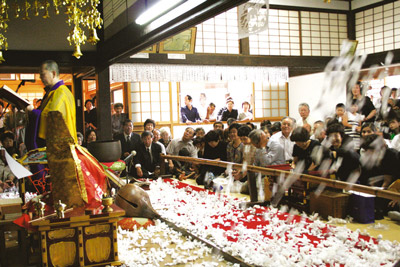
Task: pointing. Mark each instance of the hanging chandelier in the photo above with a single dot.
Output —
(81, 14)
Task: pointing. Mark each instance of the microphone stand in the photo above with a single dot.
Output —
(128, 162)
(127, 173)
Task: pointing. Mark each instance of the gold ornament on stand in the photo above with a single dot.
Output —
(40, 207)
(81, 13)
(60, 209)
(107, 201)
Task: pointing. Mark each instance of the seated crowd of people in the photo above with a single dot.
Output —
(12, 139)
(358, 144)
(190, 114)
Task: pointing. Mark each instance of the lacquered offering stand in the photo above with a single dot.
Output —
(82, 238)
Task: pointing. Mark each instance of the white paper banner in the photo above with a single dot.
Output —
(177, 73)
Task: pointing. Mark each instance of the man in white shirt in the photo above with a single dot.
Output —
(305, 119)
(202, 108)
(373, 94)
(395, 143)
(177, 144)
(283, 137)
(211, 115)
(156, 138)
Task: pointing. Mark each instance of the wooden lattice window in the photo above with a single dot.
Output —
(271, 99)
(219, 34)
(378, 29)
(322, 33)
(151, 100)
(282, 37)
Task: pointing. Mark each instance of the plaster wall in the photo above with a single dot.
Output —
(309, 89)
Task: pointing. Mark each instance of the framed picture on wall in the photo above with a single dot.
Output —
(181, 43)
(349, 47)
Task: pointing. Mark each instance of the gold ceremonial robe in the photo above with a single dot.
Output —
(62, 100)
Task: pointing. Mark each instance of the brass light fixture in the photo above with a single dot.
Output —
(81, 13)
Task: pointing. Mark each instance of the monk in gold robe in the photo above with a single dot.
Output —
(77, 177)
(59, 98)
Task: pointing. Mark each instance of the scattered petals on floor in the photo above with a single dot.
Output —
(159, 245)
(267, 236)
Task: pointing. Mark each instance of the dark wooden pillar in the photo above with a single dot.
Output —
(244, 45)
(252, 184)
(351, 24)
(79, 104)
(126, 91)
(103, 104)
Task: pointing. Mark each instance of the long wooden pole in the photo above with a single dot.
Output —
(302, 177)
(215, 249)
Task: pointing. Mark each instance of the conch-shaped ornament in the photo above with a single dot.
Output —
(135, 201)
(93, 39)
(77, 53)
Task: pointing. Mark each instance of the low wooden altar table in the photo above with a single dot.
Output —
(80, 239)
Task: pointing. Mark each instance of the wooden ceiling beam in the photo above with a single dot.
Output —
(134, 38)
(29, 61)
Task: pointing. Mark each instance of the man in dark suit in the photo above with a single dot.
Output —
(128, 139)
(147, 157)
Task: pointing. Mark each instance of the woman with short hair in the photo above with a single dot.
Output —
(214, 149)
(345, 161)
(90, 136)
(305, 149)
